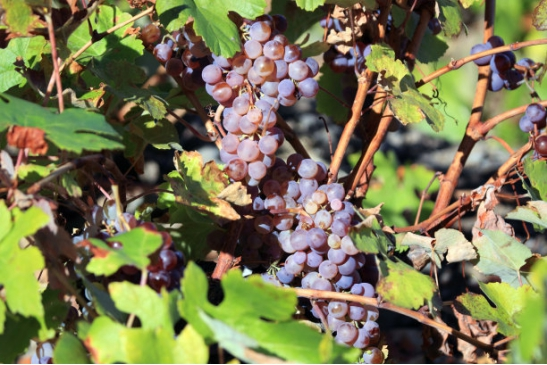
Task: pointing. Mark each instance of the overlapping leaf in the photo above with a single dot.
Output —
(74, 130)
(508, 301)
(534, 212)
(403, 286)
(501, 255)
(137, 245)
(29, 50)
(211, 20)
(264, 325)
(197, 185)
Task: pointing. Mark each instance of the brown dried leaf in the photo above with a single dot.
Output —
(28, 137)
(435, 342)
(483, 331)
(236, 194)
(487, 218)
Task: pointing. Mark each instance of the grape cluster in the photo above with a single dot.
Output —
(504, 73)
(306, 222)
(167, 264)
(297, 218)
(183, 53)
(267, 73)
(533, 120)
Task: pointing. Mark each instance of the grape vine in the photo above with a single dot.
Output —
(214, 182)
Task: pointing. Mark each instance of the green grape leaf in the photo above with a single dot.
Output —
(193, 349)
(137, 244)
(404, 286)
(111, 342)
(211, 20)
(29, 50)
(198, 185)
(189, 237)
(265, 325)
(508, 301)
(71, 185)
(432, 48)
(3, 310)
(468, 3)
(309, 5)
(18, 331)
(539, 17)
(114, 46)
(69, 350)
(408, 104)
(17, 266)
(153, 311)
(450, 17)
(159, 134)
(534, 212)
(19, 16)
(300, 22)
(327, 103)
(412, 106)
(90, 133)
(536, 172)
(369, 237)
(530, 347)
(102, 301)
(501, 255)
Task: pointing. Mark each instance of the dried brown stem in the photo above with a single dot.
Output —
(322, 294)
(55, 60)
(226, 257)
(357, 107)
(379, 123)
(414, 46)
(449, 181)
(382, 22)
(76, 164)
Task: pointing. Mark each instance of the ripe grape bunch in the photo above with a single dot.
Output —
(267, 73)
(297, 216)
(506, 71)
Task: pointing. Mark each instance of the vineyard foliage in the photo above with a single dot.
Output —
(213, 262)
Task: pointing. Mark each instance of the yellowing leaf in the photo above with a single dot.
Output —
(198, 186)
(403, 286)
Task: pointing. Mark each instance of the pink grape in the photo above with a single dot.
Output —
(298, 70)
(260, 31)
(268, 145)
(222, 92)
(236, 169)
(308, 88)
(248, 150)
(253, 49)
(211, 74)
(274, 50)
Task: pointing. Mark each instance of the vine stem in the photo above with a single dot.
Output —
(362, 89)
(379, 123)
(456, 64)
(78, 53)
(449, 181)
(323, 294)
(76, 164)
(212, 132)
(56, 75)
(291, 137)
(435, 219)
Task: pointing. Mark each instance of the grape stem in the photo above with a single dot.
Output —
(323, 294)
(226, 259)
(467, 202)
(194, 131)
(55, 60)
(456, 64)
(72, 165)
(357, 107)
(377, 125)
(450, 179)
